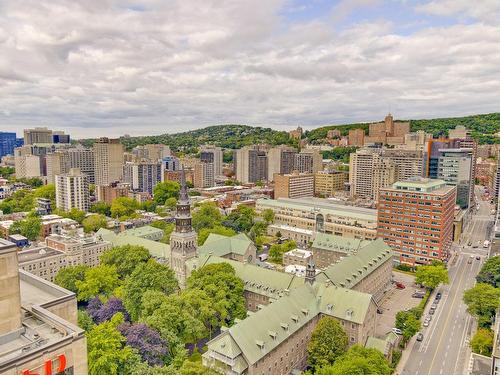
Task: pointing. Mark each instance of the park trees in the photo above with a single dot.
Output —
(68, 276)
(125, 258)
(29, 227)
(93, 223)
(206, 215)
(100, 280)
(328, 342)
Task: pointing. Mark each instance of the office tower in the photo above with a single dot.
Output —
(157, 151)
(415, 218)
(250, 164)
(37, 135)
(408, 163)
(356, 137)
(295, 185)
(308, 161)
(72, 191)
(212, 154)
(143, 176)
(368, 172)
(60, 137)
(204, 176)
(387, 131)
(326, 183)
(416, 141)
(455, 167)
(57, 163)
(171, 163)
(108, 161)
(83, 158)
(28, 166)
(108, 193)
(280, 160)
(7, 143)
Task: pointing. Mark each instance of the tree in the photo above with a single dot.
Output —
(98, 280)
(93, 223)
(150, 346)
(218, 229)
(358, 361)
(47, 191)
(170, 203)
(85, 322)
(29, 227)
(76, 215)
(166, 190)
(431, 276)
(328, 342)
(268, 215)
(125, 258)
(124, 207)
(482, 342)
(411, 327)
(482, 300)
(68, 276)
(107, 353)
(241, 219)
(147, 276)
(276, 253)
(207, 215)
(101, 312)
(101, 208)
(193, 368)
(490, 272)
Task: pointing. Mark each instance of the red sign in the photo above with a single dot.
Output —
(48, 367)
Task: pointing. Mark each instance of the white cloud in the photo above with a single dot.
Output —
(483, 10)
(114, 67)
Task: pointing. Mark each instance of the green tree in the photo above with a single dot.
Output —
(166, 190)
(147, 276)
(411, 327)
(219, 229)
(276, 253)
(93, 223)
(268, 215)
(328, 342)
(100, 280)
(125, 258)
(68, 276)
(482, 342)
(85, 320)
(490, 272)
(29, 227)
(124, 207)
(206, 215)
(47, 191)
(107, 353)
(358, 361)
(170, 203)
(193, 368)
(240, 219)
(431, 276)
(75, 214)
(101, 208)
(482, 300)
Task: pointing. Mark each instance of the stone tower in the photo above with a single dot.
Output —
(183, 240)
(310, 271)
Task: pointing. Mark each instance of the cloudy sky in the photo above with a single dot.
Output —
(109, 67)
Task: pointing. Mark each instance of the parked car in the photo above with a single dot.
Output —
(438, 295)
(420, 336)
(400, 285)
(428, 317)
(478, 257)
(426, 323)
(418, 295)
(431, 312)
(397, 331)
(469, 261)
(469, 243)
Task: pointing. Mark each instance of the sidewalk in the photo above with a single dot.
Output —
(405, 354)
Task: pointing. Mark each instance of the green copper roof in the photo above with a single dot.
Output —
(352, 269)
(220, 245)
(144, 231)
(156, 249)
(340, 244)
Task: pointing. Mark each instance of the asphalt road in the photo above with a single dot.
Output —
(444, 349)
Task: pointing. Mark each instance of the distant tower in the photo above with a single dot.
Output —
(183, 240)
(310, 271)
(389, 125)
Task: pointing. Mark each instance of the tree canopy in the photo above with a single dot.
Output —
(218, 229)
(68, 276)
(206, 215)
(482, 300)
(93, 223)
(124, 207)
(166, 190)
(100, 280)
(328, 342)
(29, 227)
(482, 342)
(125, 258)
(431, 276)
(490, 272)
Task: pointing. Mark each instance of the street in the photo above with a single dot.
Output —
(444, 349)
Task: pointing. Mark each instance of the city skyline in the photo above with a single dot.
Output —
(146, 68)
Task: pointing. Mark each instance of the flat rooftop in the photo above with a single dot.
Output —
(423, 185)
(36, 253)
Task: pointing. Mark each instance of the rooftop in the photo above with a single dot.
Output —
(220, 245)
(143, 231)
(157, 250)
(332, 242)
(299, 253)
(37, 253)
(425, 185)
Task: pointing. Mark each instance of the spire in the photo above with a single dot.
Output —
(310, 271)
(183, 194)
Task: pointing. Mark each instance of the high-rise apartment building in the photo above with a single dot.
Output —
(204, 175)
(83, 158)
(57, 163)
(356, 137)
(37, 135)
(308, 161)
(171, 164)
(408, 163)
(212, 154)
(108, 161)
(280, 159)
(455, 167)
(415, 218)
(28, 166)
(7, 143)
(368, 172)
(143, 176)
(157, 151)
(108, 193)
(72, 191)
(294, 185)
(250, 164)
(326, 183)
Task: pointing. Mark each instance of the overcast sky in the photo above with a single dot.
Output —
(105, 67)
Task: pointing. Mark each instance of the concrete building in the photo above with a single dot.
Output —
(108, 161)
(108, 193)
(295, 185)
(333, 133)
(157, 151)
(57, 163)
(322, 215)
(495, 354)
(37, 135)
(72, 191)
(356, 137)
(250, 164)
(171, 164)
(143, 176)
(409, 163)
(59, 136)
(204, 175)
(212, 154)
(455, 166)
(368, 172)
(326, 183)
(387, 132)
(297, 257)
(280, 160)
(415, 218)
(308, 161)
(416, 141)
(28, 166)
(83, 158)
(38, 323)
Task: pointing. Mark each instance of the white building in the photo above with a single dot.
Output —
(72, 190)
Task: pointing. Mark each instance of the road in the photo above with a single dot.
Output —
(444, 349)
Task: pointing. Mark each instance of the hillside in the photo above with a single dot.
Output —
(482, 126)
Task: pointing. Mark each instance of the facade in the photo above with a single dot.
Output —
(7, 143)
(455, 166)
(295, 185)
(59, 137)
(143, 176)
(171, 164)
(108, 161)
(320, 215)
(415, 141)
(408, 163)
(387, 132)
(326, 183)
(334, 133)
(250, 164)
(38, 323)
(368, 172)
(28, 166)
(356, 137)
(297, 257)
(238, 247)
(57, 163)
(212, 154)
(157, 151)
(280, 160)
(308, 161)
(37, 135)
(204, 175)
(108, 193)
(415, 218)
(328, 249)
(72, 191)
(83, 158)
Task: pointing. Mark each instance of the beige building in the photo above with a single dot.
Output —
(416, 141)
(368, 172)
(72, 191)
(322, 215)
(297, 257)
(387, 132)
(204, 175)
(214, 155)
(280, 160)
(108, 161)
(408, 163)
(295, 185)
(37, 135)
(38, 323)
(157, 151)
(326, 183)
(57, 163)
(356, 137)
(250, 163)
(308, 161)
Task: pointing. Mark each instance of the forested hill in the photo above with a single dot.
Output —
(483, 127)
(226, 136)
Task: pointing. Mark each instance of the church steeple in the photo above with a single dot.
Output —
(183, 215)
(310, 271)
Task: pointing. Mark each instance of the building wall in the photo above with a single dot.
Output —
(294, 186)
(324, 258)
(108, 161)
(327, 183)
(377, 282)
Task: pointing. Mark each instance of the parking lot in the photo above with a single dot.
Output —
(396, 300)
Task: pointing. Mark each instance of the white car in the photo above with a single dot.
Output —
(397, 331)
